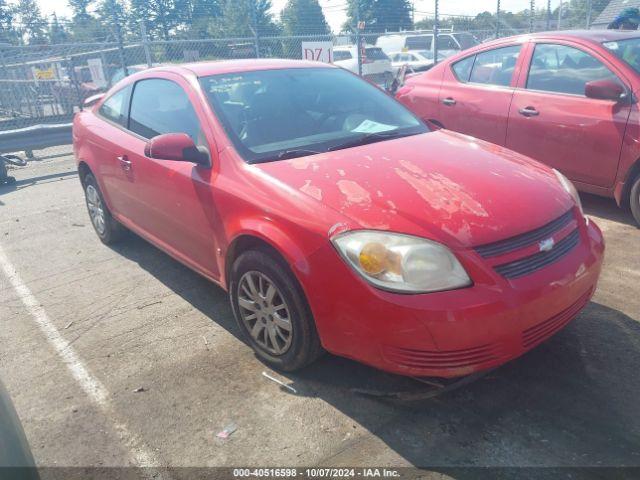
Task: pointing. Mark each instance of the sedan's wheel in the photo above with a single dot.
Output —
(107, 228)
(634, 201)
(265, 313)
(96, 210)
(272, 312)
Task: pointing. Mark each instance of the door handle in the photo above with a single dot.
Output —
(449, 102)
(124, 162)
(529, 112)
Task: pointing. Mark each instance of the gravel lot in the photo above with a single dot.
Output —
(136, 319)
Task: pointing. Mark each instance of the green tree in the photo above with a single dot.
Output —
(57, 31)
(245, 18)
(379, 15)
(32, 28)
(85, 27)
(8, 33)
(304, 17)
(198, 16)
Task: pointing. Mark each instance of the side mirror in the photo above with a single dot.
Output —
(177, 146)
(605, 90)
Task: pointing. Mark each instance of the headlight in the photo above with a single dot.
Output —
(568, 186)
(401, 263)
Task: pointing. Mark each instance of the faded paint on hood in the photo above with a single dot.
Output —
(442, 185)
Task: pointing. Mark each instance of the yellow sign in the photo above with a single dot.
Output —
(45, 74)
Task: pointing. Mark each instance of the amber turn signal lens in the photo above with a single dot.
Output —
(376, 259)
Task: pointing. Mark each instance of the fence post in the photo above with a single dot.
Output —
(256, 34)
(436, 28)
(112, 4)
(145, 43)
(358, 40)
(498, 19)
(559, 15)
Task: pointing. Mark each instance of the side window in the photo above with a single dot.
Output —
(462, 68)
(495, 67)
(447, 42)
(161, 106)
(115, 107)
(562, 69)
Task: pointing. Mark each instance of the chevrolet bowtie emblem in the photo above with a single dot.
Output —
(546, 245)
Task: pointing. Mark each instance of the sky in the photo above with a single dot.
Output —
(335, 10)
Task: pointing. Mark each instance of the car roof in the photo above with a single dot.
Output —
(591, 36)
(203, 69)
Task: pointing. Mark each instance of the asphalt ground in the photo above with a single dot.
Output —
(122, 356)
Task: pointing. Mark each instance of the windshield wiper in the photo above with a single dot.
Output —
(295, 152)
(368, 138)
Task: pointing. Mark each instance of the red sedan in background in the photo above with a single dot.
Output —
(335, 218)
(567, 99)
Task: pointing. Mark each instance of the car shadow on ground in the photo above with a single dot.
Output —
(572, 401)
(606, 208)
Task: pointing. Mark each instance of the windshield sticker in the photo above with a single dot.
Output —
(369, 126)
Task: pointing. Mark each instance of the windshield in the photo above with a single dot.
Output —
(628, 50)
(275, 114)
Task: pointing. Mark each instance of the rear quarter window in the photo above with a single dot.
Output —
(462, 68)
(115, 107)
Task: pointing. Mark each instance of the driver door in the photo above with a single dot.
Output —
(173, 202)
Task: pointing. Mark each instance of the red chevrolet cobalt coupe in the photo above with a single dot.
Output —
(335, 219)
(567, 99)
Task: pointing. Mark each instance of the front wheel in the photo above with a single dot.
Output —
(271, 311)
(634, 201)
(108, 229)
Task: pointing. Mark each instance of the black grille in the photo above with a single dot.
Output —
(539, 260)
(519, 241)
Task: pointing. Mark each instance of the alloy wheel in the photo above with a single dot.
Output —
(96, 210)
(265, 313)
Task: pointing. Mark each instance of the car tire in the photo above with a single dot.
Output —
(109, 230)
(266, 298)
(634, 200)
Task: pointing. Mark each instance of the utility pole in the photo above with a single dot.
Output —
(532, 14)
(548, 14)
(436, 28)
(358, 40)
(589, 8)
(498, 19)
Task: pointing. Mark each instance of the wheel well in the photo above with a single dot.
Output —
(244, 243)
(83, 170)
(634, 172)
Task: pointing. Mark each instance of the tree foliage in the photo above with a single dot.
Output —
(303, 17)
(379, 15)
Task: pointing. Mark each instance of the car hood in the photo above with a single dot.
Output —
(442, 185)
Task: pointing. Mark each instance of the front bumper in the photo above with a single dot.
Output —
(452, 333)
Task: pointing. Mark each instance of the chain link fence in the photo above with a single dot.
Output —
(46, 84)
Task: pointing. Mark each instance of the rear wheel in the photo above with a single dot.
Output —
(271, 311)
(634, 201)
(108, 229)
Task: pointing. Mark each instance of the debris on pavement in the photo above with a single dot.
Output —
(140, 389)
(279, 382)
(68, 324)
(140, 307)
(228, 430)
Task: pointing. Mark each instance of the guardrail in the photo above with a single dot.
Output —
(26, 140)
